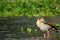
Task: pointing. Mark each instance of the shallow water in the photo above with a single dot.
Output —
(20, 28)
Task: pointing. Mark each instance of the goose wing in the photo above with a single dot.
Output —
(51, 25)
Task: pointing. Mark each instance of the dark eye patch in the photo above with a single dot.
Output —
(39, 17)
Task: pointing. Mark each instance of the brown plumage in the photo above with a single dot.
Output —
(53, 27)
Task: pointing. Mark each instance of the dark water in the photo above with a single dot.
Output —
(21, 28)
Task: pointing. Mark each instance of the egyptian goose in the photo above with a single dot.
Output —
(45, 27)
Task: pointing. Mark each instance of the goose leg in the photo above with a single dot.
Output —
(45, 36)
(48, 35)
